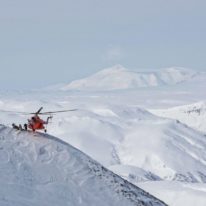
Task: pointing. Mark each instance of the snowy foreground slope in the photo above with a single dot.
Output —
(177, 193)
(118, 77)
(132, 142)
(165, 157)
(135, 144)
(37, 169)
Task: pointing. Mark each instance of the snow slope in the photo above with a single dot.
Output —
(113, 128)
(177, 193)
(194, 115)
(118, 77)
(37, 169)
(122, 140)
(127, 137)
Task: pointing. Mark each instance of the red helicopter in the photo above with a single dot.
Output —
(36, 123)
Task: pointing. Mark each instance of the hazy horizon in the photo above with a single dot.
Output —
(48, 42)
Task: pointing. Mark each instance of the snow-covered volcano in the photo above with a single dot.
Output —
(118, 77)
(38, 169)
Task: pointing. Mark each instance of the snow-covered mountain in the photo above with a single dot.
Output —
(38, 169)
(164, 156)
(118, 77)
(194, 115)
(119, 138)
(124, 143)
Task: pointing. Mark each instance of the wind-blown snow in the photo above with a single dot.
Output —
(118, 77)
(38, 169)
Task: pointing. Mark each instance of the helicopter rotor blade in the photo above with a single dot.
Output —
(39, 111)
(61, 111)
(15, 112)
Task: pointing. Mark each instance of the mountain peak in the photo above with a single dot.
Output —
(118, 77)
(114, 69)
(39, 169)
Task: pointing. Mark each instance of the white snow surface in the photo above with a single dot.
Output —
(118, 77)
(194, 115)
(152, 136)
(176, 193)
(37, 169)
(119, 135)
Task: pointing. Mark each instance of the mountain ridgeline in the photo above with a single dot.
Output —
(118, 77)
(39, 169)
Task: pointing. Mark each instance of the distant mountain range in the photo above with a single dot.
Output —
(118, 77)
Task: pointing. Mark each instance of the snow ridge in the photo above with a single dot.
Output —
(193, 115)
(39, 169)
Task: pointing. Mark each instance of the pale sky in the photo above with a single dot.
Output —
(44, 42)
